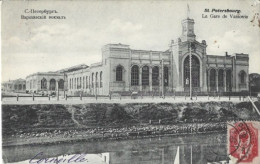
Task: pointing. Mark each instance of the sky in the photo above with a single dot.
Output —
(30, 46)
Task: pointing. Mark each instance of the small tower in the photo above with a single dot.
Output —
(188, 28)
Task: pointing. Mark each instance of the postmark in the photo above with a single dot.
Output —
(243, 142)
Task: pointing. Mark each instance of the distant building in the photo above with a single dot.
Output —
(126, 70)
(47, 82)
(14, 86)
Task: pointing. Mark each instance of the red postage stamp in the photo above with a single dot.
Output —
(243, 142)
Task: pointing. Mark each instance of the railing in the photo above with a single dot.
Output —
(132, 94)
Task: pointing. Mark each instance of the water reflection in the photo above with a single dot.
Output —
(199, 149)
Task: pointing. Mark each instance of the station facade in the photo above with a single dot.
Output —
(125, 70)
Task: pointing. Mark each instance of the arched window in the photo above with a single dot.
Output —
(61, 84)
(24, 87)
(166, 76)
(70, 83)
(97, 80)
(212, 79)
(145, 75)
(43, 83)
(92, 80)
(195, 72)
(135, 75)
(75, 83)
(101, 82)
(80, 82)
(242, 75)
(221, 78)
(52, 84)
(89, 81)
(119, 73)
(86, 81)
(155, 76)
(20, 87)
(229, 80)
(83, 82)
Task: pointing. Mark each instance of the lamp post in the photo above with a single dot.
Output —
(190, 72)
(64, 84)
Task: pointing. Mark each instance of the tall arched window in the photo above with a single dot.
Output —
(145, 75)
(155, 76)
(212, 79)
(229, 80)
(97, 79)
(195, 72)
(52, 84)
(119, 73)
(100, 79)
(20, 87)
(92, 80)
(70, 84)
(86, 81)
(43, 83)
(83, 82)
(166, 76)
(80, 82)
(75, 83)
(135, 75)
(61, 84)
(221, 78)
(242, 75)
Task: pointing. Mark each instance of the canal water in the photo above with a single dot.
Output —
(189, 149)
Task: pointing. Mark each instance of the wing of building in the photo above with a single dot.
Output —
(125, 70)
(17, 86)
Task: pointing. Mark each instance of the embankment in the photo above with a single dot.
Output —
(27, 122)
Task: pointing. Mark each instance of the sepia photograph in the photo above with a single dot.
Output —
(130, 82)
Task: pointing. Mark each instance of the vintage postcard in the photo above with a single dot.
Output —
(130, 82)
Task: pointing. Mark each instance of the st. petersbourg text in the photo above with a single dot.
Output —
(223, 11)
